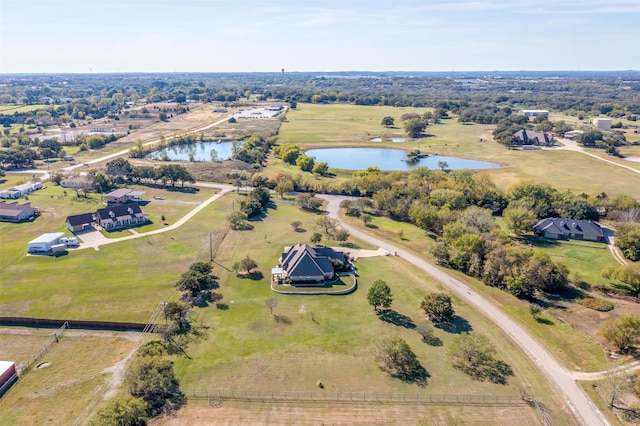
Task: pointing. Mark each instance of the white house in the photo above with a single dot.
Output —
(46, 244)
(533, 112)
(602, 123)
(20, 190)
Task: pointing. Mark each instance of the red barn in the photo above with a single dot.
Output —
(8, 375)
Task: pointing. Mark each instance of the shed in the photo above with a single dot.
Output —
(8, 375)
(44, 243)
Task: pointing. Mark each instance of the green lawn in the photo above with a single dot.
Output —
(10, 109)
(316, 126)
(585, 354)
(324, 338)
(586, 258)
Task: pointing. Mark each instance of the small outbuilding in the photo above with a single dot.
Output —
(80, 222)
(46, 243)
(8, 375)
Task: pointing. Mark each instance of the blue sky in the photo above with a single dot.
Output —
(40, 36)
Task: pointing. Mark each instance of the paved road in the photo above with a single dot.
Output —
(583, 408)
(571, 145)
(97, 242)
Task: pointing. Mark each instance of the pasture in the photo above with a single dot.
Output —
(317, 126)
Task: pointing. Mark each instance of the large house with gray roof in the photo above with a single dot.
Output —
(559, 228)
(120, 216)
(306, 265)
(529, 137)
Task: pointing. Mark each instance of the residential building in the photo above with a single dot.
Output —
(559, 228)
(80, 222)
(14, 212)
(529, 137)
(77, 183)
(533, 112)
(20, 190)
(122, 196)
(120, 216)
(306, 265)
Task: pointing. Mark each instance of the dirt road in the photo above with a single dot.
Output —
(583, 408)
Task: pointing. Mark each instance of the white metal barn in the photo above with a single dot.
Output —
(45, 243)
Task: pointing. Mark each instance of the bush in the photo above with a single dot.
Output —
(596, 304)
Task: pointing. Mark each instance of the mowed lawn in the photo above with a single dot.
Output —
(317, 126)
(123, 281)
(586, 354)
(327, 338)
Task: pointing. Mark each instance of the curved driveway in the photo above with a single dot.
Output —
(583, 408)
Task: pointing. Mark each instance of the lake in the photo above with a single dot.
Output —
(388, 159)
(201, 151)
(634, 159)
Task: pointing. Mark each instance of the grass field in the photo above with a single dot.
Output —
(10, 109)
(58, 393)
(588, 259)
(585, 354)
(325, 338)
(122, 281)
(314, 126)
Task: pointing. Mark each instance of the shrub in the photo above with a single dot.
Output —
(596, 304)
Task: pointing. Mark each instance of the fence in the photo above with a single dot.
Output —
(83, 324)
(350, 397)
(23, 367)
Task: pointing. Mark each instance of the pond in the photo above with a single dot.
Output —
(201, 151)
(388, 159)
(634, 159)
(389, 139)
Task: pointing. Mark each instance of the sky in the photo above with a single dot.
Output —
(105, 36)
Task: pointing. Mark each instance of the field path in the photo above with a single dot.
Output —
(570, 145)
(564, 380)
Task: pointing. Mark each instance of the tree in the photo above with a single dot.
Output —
(387, 121)
(398, 359)
(443, 165)
(535, 310)
(428, 336)
(125, 411)
(119, 168)
(238, 220)
(414, 127)
(305, 163)
(475, 355)
(153, 380)
(197, 279)
(623, 331)
(328, 224)
(321, 168)
(247, 264)
(628, 240)
(271, 303)
(342, 235)
(316, 237)
(519, 219)
(438, 307)
(308, 202)
(296, 224)
(379, 295)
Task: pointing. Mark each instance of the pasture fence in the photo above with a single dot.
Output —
(216, 397)
(24, 367)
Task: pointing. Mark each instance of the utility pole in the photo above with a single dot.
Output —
(210, 247)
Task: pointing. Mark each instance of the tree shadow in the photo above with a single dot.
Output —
(371, 226)
(396, 318)
(254, 275)
(222, 306)
(301, 230)
(350, 245)
(282, 319)
(242, 227)
(456, 325)
(417, 375)
(544, 320)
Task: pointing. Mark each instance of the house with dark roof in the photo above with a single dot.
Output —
(529, 137)
(559, 228)
(121, 216)
(80, 222)
(306, 265)
(14, 212)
